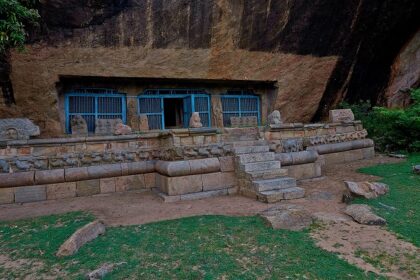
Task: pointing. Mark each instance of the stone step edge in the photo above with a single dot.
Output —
(263, 196)
(194, 196)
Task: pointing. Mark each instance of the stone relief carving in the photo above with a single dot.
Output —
(335, 138)
(17, 129)
(274, 118)
(244, 121)
(106, 126)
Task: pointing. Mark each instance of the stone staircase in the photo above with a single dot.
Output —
(260, 175)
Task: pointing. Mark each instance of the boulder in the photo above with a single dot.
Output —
(363, 214)
(366, 189)
(416, 169)
(287, 216)
(17, 129)
(80, 237)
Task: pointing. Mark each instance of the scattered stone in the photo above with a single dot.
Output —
(341, 115)
(122, 129)
(363, 214)
(416, 169)
(397, 155)
(78, 126)
(102, 271)
(80, 237)
(287, 216)
(274, 118)
(17, 129)
(366, 189)
(195, 120)
(327, 217)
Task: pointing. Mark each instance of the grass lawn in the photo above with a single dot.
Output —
(203, 247)
(404, 196)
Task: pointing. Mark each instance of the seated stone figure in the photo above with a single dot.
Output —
(78, 125)
(195, 120)
(122, 129)
(274, 118)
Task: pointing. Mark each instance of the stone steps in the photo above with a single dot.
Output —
(283, 194)
(260, 166)
(251, 149)
(274, 184)
(266, 174)
(255, 157)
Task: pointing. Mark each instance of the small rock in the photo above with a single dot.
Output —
(416, 169)
(327, 217)
(397, 156)
(366, 189)
(363, 214)
(292, 217)
(102, 271)
(80, 237)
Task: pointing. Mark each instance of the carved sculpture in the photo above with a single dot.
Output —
(106, 126)
(274, 118)
(144, 122)
(195, 120)
(78, 125)
(17, 129)
(122, 129)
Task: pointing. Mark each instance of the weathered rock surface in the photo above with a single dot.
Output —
(416, 169)
(317, 51)
(363, 214)
(122, 129)
(80, 237)
(366, 189)
(288, 216)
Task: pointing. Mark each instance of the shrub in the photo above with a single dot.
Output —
(391, 129)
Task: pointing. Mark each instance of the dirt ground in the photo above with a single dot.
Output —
(354, 242)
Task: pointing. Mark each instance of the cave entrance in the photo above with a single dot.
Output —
(173, 109)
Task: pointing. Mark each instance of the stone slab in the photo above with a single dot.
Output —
(128, 183)
(88, 188)
(49, 176)
(76, 174)
(107, 185)
(150, 180)
(61, 190)
(304, 171)
(204, 194)
(7, 195)
(181, 185)
(207, 165)
(30, 194)
(17, 179)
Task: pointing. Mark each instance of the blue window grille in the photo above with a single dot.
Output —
(94, 104)
(151, 103)
(240, 104)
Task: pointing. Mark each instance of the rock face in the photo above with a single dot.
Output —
(318, 52)
(81, 237)
(290, 217)
(363, 214)
(366, 189)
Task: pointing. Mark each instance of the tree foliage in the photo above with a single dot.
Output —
(391, 129)
(15, 15)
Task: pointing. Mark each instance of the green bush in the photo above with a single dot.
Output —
(391, 129)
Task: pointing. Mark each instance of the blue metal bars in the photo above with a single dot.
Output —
(94, 104)
(151, 103)
(240, 106)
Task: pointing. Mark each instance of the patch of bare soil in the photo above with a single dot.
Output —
(371, 248)
(26, 269)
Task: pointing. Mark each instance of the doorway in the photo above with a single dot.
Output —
(174, 112)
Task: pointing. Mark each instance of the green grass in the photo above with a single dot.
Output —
(203, 247)
(404, 196)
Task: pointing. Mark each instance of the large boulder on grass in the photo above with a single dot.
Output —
(363, 214)
(366, 189)
(80, 237)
